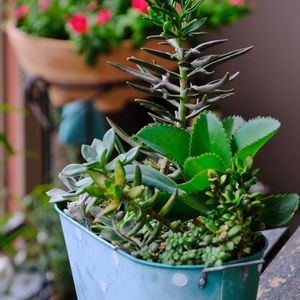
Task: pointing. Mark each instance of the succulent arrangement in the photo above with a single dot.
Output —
(182, 193)
(96, 27)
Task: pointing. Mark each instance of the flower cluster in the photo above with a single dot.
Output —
(97, 26)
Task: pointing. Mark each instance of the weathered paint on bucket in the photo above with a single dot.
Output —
(101, 272)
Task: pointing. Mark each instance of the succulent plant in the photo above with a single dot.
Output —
(190, 201)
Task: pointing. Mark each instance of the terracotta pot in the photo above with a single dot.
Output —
(55, 61)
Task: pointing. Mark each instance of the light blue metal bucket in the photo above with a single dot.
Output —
(101, 271)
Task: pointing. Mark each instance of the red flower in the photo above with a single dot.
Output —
(140, 5)
(236, 2)
(22, 11)
(104, 16)
(178, 8)
(44, 4)
(79, 23)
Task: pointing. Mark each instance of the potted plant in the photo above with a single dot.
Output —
(96, 30)
(175, 216)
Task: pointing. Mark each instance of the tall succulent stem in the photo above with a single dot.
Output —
(182, 111)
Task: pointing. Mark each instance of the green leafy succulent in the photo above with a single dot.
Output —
(191, 200)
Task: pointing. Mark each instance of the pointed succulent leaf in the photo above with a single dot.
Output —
(231, 124)
(228, 56)
(103, 158)
(199, 71)
(146, 90)
(169, 204)
(132, 154)
(137, 176)
(252, 135)
(279, 209)
(89, 153)
(111, 165)
(84, 182)
(161, 54)
(161, 120)
(167, 140)
(110, 235)
(119, 174)
(157, 108)
(139, 74)
(112, 206)
(98, 178)
(210, 87)
(109, 142)
(195, 165)
(203, 61)
(209, 136)
(196, 113)
(122, 134)
(153, 67)
(57, 195)
(99, 147)
(192, 26)
(209, 44)
(135, 192)
(74, 170)
(151, 177)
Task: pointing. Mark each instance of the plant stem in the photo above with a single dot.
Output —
(182, 111)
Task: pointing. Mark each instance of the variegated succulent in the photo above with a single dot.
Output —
(190, 201)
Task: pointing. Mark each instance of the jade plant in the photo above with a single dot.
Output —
(183, 191)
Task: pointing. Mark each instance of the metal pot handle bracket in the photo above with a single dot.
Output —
(245, 273)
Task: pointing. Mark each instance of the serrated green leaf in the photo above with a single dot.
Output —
(151, 177)
(170, 141)
(198, 183)
(252, 135)
(279, 209)
(231, 124)
(195, 165)
(209, 136)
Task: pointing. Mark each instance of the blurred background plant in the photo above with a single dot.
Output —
(35, 265)
(97, 26)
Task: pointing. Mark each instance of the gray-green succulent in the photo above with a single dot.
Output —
(183, 193)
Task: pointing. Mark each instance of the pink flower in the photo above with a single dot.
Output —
(22, 11)
(237, 2)
(140, 5)
(79, 23)
(178, 8)
(104, 16)
(44, 4)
